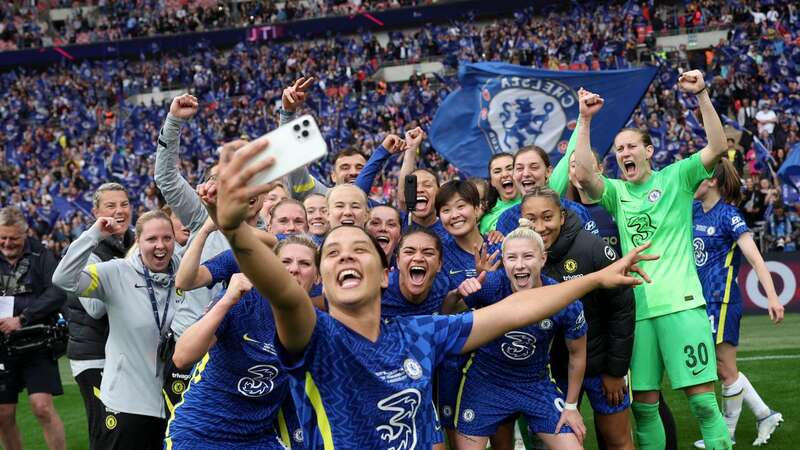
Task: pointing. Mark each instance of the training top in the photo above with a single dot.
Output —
(660, 211)
(237, 389)
(523, 354)
(351, 392)
(715, 251)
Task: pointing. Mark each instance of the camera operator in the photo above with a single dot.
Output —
(26, 270)
(87, 334)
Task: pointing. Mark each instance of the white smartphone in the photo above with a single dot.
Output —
(293, 145)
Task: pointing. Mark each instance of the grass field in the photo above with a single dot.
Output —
(769, 355)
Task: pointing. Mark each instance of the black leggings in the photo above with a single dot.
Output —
(666, 418)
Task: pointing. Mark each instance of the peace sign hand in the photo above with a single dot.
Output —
(484, 261)
(294, 96)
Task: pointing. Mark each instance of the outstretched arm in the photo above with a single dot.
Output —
(590, 181)
(692, 82)
(750, 251)
(391, 145)
(177, 192)
(295, 318)
(413, 140)
(526, 307)
(559, 179)
(201, 336)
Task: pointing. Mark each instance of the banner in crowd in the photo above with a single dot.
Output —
(503, 107)
(322, 26)
(785, 271)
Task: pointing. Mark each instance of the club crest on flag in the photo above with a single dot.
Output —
(517, 112)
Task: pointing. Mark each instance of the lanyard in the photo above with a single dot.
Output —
(151, 292)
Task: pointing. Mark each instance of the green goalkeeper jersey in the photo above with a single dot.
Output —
(660, 211)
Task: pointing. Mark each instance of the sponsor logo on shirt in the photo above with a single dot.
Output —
(519, 345)
(401, 431)
(260, 383)
(641, 228)
(700, 255)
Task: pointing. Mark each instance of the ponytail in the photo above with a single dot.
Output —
(729, 185)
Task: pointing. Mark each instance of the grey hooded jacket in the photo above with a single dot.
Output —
(132, 377)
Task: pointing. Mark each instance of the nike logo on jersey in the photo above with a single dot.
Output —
(455, 272)
(697, 372)
(265, 346)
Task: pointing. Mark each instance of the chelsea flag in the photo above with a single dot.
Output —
(503, 107)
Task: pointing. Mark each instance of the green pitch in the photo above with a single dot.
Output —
(769, 355)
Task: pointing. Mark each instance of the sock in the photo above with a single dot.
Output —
(753, 400)
(712, 426)
(649, 429)
(732, 398)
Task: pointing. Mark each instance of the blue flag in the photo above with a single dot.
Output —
(503, 107)
(694, 126)
(790, 169)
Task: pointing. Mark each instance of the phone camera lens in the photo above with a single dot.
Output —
(306, 123)
(305, 133)
(296, 127)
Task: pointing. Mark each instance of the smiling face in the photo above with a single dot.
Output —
(156, 244)
(384, 226)
(546, 218)
(317, 213)
(530, 170)
(523, 263)
(501, 176)
(288, 218)
(351, 268)
(347, 205)
(458, 216)
(347, 168)
(299, 262)
(114, 204)
(12, 241)
(427, 189)
(418, 262)
(633, 156)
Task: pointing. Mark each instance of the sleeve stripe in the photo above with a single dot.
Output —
(162, 143)
(92, 269)
(305, 187)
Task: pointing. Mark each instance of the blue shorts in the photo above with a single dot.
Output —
(486, 402)
(593, 387)
(448, 380)
(193, 441)
(725, 319)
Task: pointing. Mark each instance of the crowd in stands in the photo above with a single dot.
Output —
(68, 128)
(24, 27)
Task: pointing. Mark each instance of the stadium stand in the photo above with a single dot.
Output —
(66, 128)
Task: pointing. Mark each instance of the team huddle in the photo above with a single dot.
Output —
(297, 315)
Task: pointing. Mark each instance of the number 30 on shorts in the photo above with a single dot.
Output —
(693, 356)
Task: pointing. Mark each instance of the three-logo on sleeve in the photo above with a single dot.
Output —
(737, 222)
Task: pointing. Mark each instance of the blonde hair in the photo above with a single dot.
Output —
(339, 187)
(152, 215)
(525, 231)
(299, 239)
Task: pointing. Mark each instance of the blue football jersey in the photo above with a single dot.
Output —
(509, 220)
(237, 390)
(459, 264)
(437, 228)
(523, 354)
(715, 251)
(222, 267)
(394, 304)
(353, 393)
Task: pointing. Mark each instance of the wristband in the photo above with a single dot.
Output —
(570, 406)
(700, 91)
